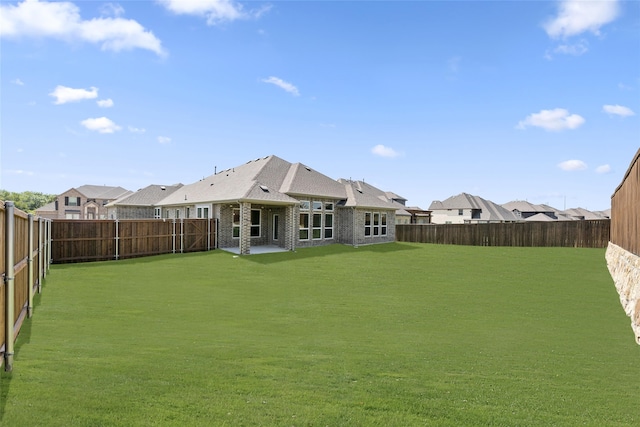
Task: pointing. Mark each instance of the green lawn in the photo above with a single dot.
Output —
(386, 335)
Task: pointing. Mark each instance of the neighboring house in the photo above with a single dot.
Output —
(85, 202)
(525, 210)
(418, 215)
(141, 204)
(580, 214)
(466, 208)
(47, 211)
(269, 201)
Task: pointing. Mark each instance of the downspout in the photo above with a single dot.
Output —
(9, 286)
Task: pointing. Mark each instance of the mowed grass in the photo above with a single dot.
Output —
(385, 335)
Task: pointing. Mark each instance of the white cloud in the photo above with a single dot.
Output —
(19, 172)
(112, 9)
(283, 85)
(576, 49)
(215, 11)
(603, 169)
(17, 82)
(164, 139)
(383, 151)
(136, 130)
(572, 165)
(552, 120)
(105, 103)
(577, 16)
(101, 124)
(65, 94)
(62, 20)
(618, 110)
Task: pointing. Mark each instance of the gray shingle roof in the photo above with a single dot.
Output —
(360, 194)
(489, 211)
(268, 180)
(147, 196)
(102, 192)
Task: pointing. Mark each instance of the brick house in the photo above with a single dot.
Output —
(84, 202)
(271, 202)
(141, 204)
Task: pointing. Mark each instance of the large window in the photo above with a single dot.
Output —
(375, 224)
(367, 224)
(383, 224)
(202, 212)
(304, 226)
(317, 226)
(72, 201)
(255, 223)
(254, 231)
(157, 213)
(328, 226)
(236, 223)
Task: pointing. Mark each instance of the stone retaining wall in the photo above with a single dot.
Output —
(625, 271)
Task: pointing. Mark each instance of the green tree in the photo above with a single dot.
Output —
(27, 201)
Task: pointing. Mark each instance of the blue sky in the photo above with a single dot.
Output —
(510, 100)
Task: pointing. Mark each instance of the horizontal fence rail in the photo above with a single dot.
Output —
(579, 234)
(102, 240)
(24, 262)
(625, 210)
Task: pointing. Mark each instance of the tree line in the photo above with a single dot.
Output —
(27, 201)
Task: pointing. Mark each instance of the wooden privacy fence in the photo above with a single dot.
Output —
(101, 240)
(24, 262)
(579, 234)
(625, 209)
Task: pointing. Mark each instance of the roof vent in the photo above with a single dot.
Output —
(308, 168)
(163, 188)
(264, 188)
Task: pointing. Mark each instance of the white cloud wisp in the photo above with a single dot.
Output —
(64, 94)
(618, 110)
(101, 125)
(215, 11)
(572, 165)
(288, 87)
(105, 103)
(384, 151)
(552, 120)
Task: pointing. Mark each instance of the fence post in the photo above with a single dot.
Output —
(47, 236)
(117, 240)
(30, 279)
(173, 237)
(9, 299)
(181, 235)
(41, 253)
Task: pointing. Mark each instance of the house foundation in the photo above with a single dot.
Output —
(624, 268)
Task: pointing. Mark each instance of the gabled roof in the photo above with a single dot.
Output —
(540, 217)
(489, 211)
(524, 206)
(49, 207)
(102, 192)
(302, 180)
(361, 194)
(147, 196)
(268, 180)
(580, 213)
